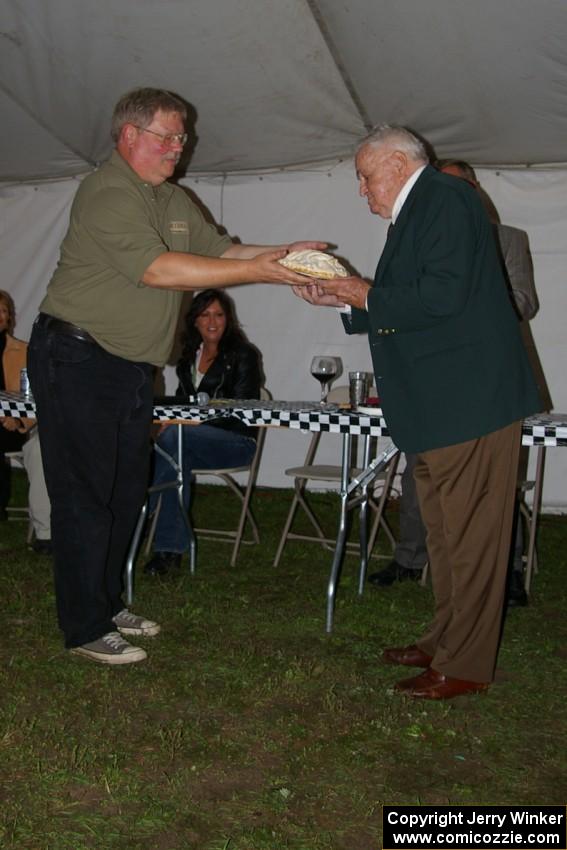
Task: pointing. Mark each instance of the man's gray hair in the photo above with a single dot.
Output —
(398, 138)
(139, 107)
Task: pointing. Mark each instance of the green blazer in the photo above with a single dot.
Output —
(448, 358)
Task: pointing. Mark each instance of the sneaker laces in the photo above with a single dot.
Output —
(114, 640)
(126, 616)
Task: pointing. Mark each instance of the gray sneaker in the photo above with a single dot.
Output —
(111, 649)
(131, 624)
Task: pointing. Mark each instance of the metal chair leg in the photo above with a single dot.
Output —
(132, 552)
(531, 555)
(341, 537)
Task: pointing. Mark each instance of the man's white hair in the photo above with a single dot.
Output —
(396, 137)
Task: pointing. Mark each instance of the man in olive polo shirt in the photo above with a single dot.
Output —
(135, 243)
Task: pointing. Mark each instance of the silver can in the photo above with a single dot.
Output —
(25, 389)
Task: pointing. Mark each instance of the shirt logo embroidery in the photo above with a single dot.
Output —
(178, 227)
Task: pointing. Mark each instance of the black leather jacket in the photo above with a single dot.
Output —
(234, 373)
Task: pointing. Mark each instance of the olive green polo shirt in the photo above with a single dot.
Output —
(118, 226)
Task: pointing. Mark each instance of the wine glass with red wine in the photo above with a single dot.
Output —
(324, 369)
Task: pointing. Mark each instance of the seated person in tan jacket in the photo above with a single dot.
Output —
(20, 434)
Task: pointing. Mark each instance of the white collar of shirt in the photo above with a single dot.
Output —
(404, 192)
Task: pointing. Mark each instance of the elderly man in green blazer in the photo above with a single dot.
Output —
(455, 383)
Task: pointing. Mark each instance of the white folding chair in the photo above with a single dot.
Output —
(242, 492)
(331, 475)
(16, 460)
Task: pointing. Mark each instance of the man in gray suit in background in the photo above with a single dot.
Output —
(513, 244)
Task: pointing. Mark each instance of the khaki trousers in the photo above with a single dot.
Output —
(466, 494)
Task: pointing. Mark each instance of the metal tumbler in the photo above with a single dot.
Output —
(359, 387)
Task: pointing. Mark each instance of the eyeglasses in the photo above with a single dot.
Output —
(167, 139)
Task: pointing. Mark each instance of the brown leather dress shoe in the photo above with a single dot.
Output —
(409, 656)
(434, 685)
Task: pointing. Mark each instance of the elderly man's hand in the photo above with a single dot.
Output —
(348, 290)
(313, 294)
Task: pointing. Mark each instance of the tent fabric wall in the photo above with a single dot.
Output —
(318, 202)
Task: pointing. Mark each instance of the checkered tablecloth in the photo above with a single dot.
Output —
(16, 405)
(298, 415)
(545, 429)
(540, 430)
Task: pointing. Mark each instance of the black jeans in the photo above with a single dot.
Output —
(94, 414)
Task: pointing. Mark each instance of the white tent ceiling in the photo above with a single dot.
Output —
(282, 82)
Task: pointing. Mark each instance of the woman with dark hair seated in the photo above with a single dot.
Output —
(217, 359)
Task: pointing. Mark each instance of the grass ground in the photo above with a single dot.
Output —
(248, 727)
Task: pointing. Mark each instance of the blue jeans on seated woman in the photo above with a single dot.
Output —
(204, 447)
